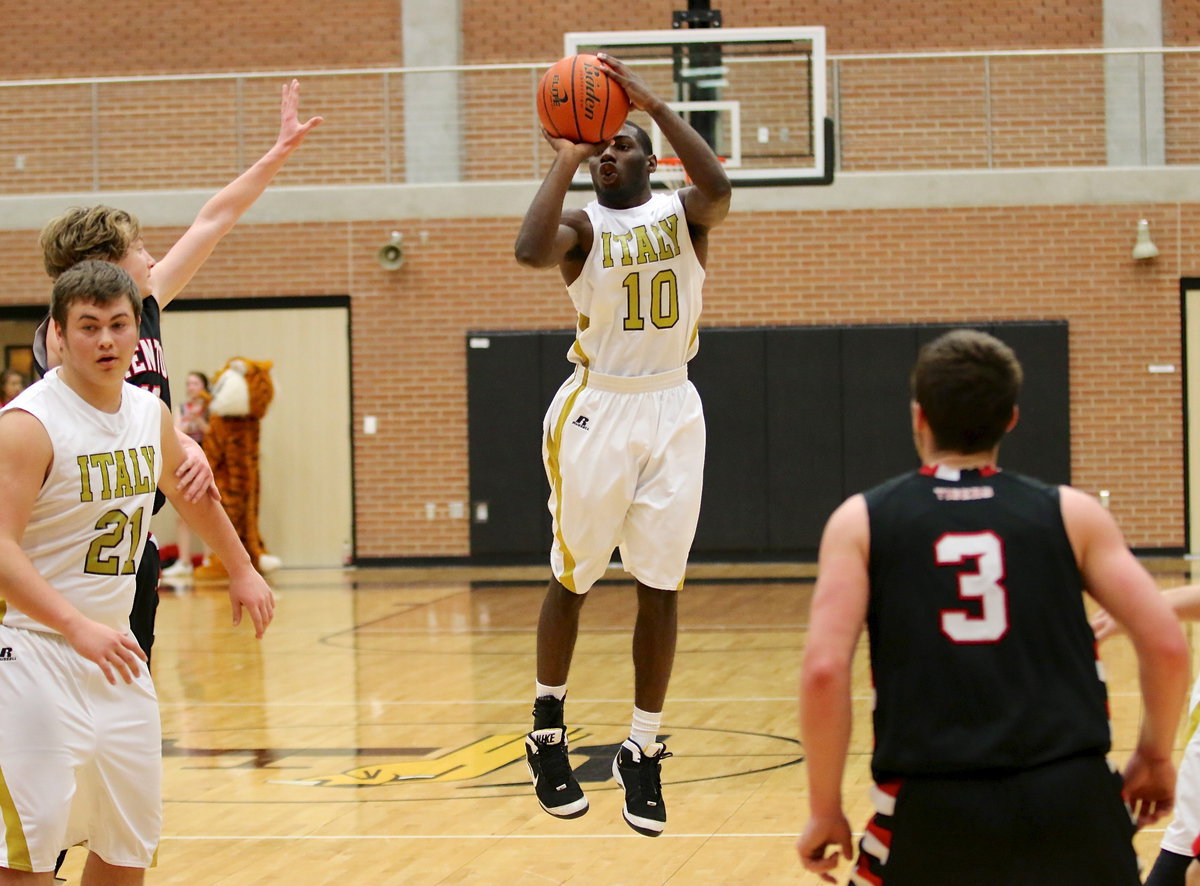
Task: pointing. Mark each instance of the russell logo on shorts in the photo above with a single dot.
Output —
(581, 422)
(6, 654)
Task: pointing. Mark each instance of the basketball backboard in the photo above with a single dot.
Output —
(757, 95)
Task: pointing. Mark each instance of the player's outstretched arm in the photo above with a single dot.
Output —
(218, 216)
(247, 588)
(707, 200)
(836, 619)
(1113, 576)
(25, 457)
(1183, 600)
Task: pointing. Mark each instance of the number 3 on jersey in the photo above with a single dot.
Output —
(990, 622)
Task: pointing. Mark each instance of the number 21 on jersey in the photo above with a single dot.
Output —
(103, 558)
(983, 583)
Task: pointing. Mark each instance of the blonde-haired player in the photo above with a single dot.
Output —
(114, 235)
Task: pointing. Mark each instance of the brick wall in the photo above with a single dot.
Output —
(58, 38)
(893, 115)
(797, 267)
(162, 36)
(534, 31)
(895, 266)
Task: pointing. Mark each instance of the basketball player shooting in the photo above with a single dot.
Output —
(623, 439)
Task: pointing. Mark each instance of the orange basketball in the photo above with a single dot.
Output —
(578, 101)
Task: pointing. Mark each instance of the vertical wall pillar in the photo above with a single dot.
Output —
(432, 127)
(1133, 84)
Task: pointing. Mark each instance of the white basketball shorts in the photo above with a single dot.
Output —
(625, 462)
(80, 759)
(1181, 833)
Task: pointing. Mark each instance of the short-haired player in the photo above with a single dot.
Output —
(623, 439)
(990, 715)
(81, 453)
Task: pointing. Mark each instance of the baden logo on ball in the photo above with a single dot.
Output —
(578, 100)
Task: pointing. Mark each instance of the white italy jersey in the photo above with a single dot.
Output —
(638, 295)
(90, 520)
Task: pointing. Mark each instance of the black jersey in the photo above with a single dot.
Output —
(149, 367)
(981, 652)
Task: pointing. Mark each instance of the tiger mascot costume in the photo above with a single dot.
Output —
(241, 393)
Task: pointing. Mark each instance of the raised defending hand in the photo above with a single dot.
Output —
(291, 130)
(248, 590)
(1149, 788)
(818, 836)
(115, 652)
(635, 87)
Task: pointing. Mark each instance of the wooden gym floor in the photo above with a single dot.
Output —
(375, 734)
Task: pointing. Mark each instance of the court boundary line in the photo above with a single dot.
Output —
(459, 701)
(410, 837)
(281, 837)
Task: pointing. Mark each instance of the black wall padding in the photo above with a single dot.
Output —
(876, 423)
(1040, 444)
(505, 408)
(804, 434)
(728, 372)
(798, 419)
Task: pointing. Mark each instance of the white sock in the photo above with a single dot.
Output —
(645, 726)
(541, 690)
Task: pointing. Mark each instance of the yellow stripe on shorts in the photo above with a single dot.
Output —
(1193, 722)
(553, 445)
(14, 833)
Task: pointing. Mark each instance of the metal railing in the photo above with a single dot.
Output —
(472, 123)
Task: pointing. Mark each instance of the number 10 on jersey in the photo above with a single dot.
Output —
(664, 300)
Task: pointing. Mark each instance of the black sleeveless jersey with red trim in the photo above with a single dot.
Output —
(981, 652)
(149, 367)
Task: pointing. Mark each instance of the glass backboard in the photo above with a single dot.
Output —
(757, 95)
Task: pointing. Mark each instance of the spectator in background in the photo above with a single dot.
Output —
(11, 384)
(191, 417)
